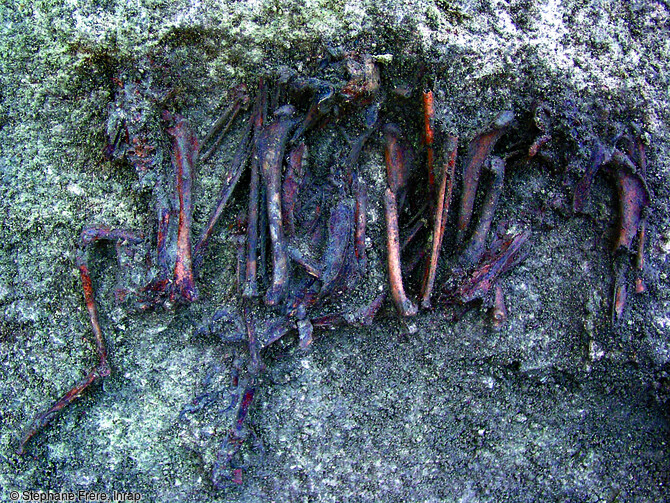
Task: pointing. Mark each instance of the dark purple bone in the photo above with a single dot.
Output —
(271, 145)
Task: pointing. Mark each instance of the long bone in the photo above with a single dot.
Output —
(184, 150)
(479, 149)
(477, 243)
(628, 171)
(397, 169)
(271, 145)
(250, 288)
(441, 214)
(88, 237)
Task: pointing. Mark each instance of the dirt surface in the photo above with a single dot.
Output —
(559, 405)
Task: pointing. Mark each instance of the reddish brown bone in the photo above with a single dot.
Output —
(272, 143)
(639, 258)
(494, 263)
(477, 244)
(405, 306)
(185, 147)
(633, 199)
(340, 231)
(397, 171)
(499, 310)
(88, 237)
(230, 182)
(441, 214)
(479, 149)
(361, 222)
(429, 119)
(620, 289)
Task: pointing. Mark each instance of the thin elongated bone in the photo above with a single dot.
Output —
(250, 288)
(620, 294)
(165, 215)
(102, 369)
(184, 148)
(429, 119)
(628, 172)
(360, 193)
(232, 177)
(494, 263)
(360, 218)
(479, 149)
(477, 244)
(397, 171)
(224, 122)
(639, 258)
(223, 473)
(405, 306)
(633, 199)
(291, 186)
(397, 157)
(499, 310)
(441, 214)
(272, 143)
(254, 344)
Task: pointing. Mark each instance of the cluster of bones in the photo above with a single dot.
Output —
(302, 241)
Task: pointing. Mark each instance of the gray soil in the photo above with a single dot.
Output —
(559, 405)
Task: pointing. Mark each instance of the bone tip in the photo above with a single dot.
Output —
(408, 308)
(391, 129)
(504, 119)
(498, 318)
(497, 164)
(250, 291)
(284, 111)
(184, 293)
(275, 295)
(640, 286)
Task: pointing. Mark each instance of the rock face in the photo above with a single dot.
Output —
(559, 404)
